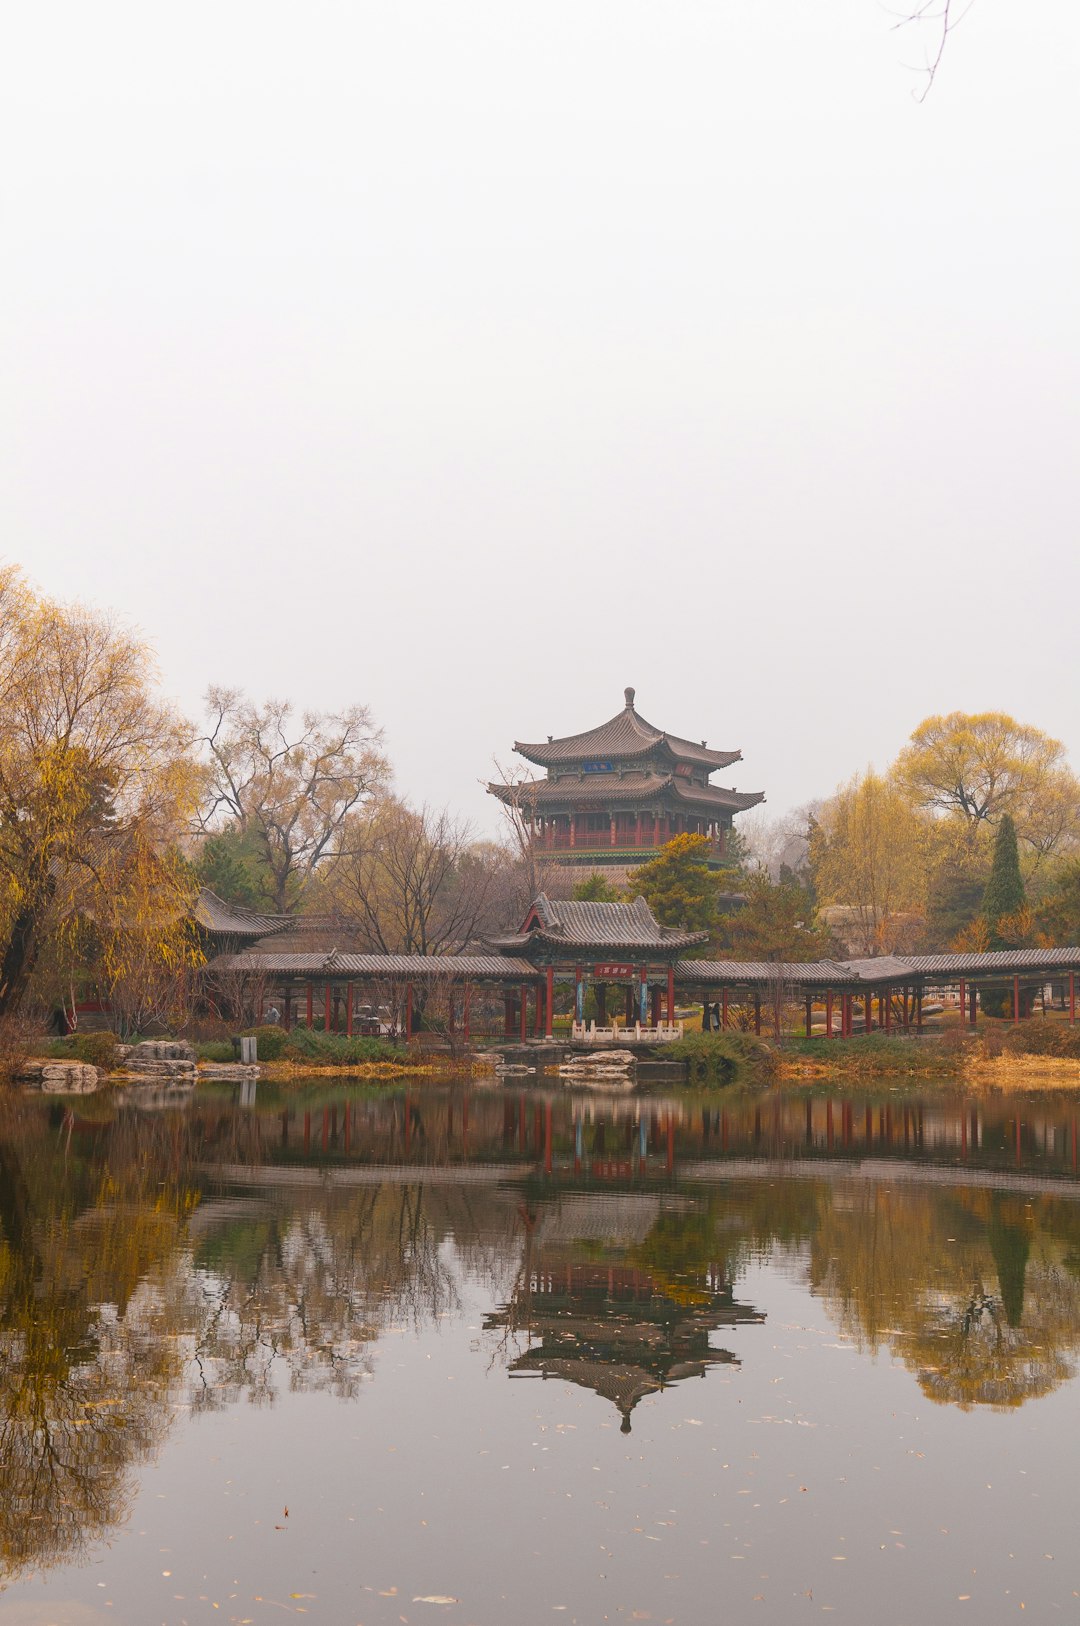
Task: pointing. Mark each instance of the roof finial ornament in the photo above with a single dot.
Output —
(629, 696)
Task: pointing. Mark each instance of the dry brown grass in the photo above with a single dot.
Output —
(1012, 1072)
(283, 1071)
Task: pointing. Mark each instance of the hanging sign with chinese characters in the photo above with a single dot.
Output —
(614, 969)
(597, 767)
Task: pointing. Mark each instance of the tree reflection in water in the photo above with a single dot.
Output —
(122, 1299)
(150, 1262)
(976, 1292)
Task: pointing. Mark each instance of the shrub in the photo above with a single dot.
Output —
(215, 1050)
(1042, 1037)
(271, 1042)
(719, 1058)
(334, 1049)
(96, 1049)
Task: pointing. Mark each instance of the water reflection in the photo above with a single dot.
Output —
(619, 1294)
(152, 1264)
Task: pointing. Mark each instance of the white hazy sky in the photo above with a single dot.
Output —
(474, 358)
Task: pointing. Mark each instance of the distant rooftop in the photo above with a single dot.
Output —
(627, 734)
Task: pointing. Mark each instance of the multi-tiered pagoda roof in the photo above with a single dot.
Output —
(613, 795)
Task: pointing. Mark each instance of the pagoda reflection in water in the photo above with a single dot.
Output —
(600, 1311)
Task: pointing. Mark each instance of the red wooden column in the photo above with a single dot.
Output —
(757, 1014)
(1016, 999)
(828, 1013)
(670, 995)
(1072, 996)
(973, 1000)
(723, 1009)
(408, 1011)
(888, 1009)
(613, 830)
(310, 1006)
(809, 1015)
(963, 1002)
(523, 995)
(287, 1012)
(508, 1015)
(328, 1009)
(868, 1012)
(918, 1010)
(466, 1002)
(348, 1009)
(549, 1002)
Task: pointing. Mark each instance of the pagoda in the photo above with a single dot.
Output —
(612, 797)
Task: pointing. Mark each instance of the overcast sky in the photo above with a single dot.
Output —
(473, 359)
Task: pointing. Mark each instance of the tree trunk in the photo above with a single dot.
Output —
(19, 958)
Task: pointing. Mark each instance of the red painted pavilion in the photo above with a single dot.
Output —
(611, 797)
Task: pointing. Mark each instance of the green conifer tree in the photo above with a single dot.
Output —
(1004, 895)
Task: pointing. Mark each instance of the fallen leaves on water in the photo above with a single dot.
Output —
(435, 1597)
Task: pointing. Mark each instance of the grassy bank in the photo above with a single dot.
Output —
(869, 1056)
(1036, 1054)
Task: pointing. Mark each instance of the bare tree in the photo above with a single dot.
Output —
(941, 17)
(533, 868)
(290, 783)
(414, 882)
(239, 994)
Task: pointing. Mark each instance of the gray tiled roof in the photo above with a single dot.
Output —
(612, 925)
(430, 967)
(1001, 960)
(880, 968)
(613, 789)
(223, 919)
(763, 973)
(625, 735)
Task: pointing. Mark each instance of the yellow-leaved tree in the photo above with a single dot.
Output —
(97, 787)
(868, 856)
(973, 768)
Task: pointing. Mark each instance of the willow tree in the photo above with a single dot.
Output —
(96, 788)
(973, 768)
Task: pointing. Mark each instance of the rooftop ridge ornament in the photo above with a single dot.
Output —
(628, 695)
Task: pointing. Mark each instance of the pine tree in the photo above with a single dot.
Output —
(1004, 895)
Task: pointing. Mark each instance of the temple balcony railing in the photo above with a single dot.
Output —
(594, 845)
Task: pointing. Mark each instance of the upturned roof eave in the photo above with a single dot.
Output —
(603, 947)
(550, 755)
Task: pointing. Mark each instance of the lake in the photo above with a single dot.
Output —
(504, 1356)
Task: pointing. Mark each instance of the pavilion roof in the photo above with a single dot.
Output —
(613, 789)
(571, 923)
(223, 919)
(627, 734)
